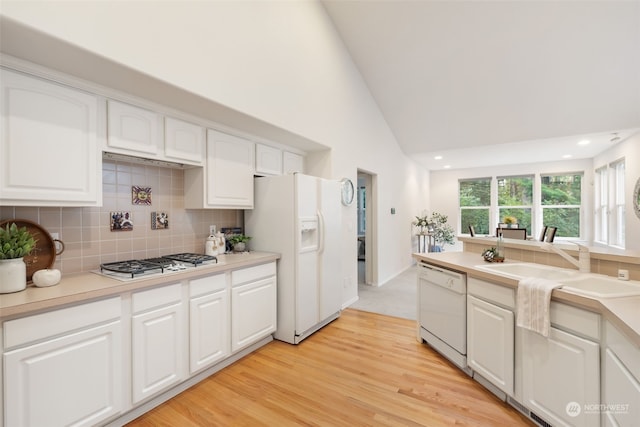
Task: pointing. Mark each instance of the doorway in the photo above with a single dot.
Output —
(367, 242)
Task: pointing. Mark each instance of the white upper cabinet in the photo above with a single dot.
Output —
(45, 128)
(133, 130)
(184, 141)
(268, 160)
(226, 182)
(292, 162)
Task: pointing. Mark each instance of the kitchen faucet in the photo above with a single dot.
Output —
(583, 264)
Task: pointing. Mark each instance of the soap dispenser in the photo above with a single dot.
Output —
(211, 243)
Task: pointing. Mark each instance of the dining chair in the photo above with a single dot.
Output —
(551, 234)
(472, 231)
(542, 234)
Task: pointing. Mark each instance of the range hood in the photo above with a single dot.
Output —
(144, 161)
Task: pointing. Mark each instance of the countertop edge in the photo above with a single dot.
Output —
(84, 287)
(465, 261)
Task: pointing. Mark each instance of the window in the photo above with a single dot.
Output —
(475, 204)
(561, 197)
(617, 222)
(610, 204)
(515, 199)
(602, 205)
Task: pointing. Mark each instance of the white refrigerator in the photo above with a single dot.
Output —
(300, 217)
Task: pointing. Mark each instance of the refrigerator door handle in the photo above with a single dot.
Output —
(320, 233)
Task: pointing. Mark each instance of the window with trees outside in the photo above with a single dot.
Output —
(561, 196)
(475, 204)
(515, 199)
(618, 223)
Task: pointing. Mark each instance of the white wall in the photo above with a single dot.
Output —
(278, 61)
(630, 151)
(444, 188)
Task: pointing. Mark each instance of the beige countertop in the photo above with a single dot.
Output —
(622, 312)
(81, 287)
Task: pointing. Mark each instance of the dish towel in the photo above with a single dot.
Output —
(533, 300)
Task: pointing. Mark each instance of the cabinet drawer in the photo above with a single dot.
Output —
(582, 322)
(157, 297)
(206, 285)
(253, 273)
(40, 326)
(501, 295)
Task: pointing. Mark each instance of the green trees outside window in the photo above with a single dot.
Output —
(475, 204)
(561, 200)
(515, 199)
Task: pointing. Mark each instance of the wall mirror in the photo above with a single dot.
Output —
(636, 198)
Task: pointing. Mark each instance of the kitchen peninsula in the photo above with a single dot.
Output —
(592, 353)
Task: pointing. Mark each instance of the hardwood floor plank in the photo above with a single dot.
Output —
(363, 369)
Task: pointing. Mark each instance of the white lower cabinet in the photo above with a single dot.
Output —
(158, 341)
(621, 380)
(209, 337)
(561, 378)
(253, 304)
(64, 367)
(490, 342)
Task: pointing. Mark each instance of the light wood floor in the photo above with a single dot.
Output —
(364, 369)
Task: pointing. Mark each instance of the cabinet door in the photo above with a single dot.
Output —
(292, 162)
(253, 312)
(621, 392)
(183, 141)
(45, 128)
(157, 343)
(74, 379)
(230, 171)
(209, 329)
(133, 130)
(490, 342)
(268, 160)
(561, 374)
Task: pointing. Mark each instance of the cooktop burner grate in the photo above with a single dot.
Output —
(136, 266)
(190, 258)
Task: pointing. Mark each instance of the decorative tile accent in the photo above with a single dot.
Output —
(121, 221)
(140, 195)
(159, 220)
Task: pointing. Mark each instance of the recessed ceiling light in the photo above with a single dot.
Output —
(567, 156)
(447, 166)
(438, 157)
(584, 142)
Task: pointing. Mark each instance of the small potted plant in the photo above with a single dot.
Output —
(239, 242)
(511, 221)
(15, 243)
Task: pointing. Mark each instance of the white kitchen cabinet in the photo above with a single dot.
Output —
(226, 182)
(268, 160)
(253, 304)
(209, 322)
(561, 373)
(490, 342)
(621, 380)
(158, 341)
(292, 162)
(133, 130)
(45, 128)
(184, 142)
(64, 367)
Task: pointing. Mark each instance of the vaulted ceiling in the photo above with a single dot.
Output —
(495, 82)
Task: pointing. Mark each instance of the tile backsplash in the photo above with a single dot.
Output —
(86, 231)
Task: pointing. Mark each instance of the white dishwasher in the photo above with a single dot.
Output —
(442, 295)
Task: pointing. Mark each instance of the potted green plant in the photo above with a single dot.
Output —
(15, 243)
(239, 241)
